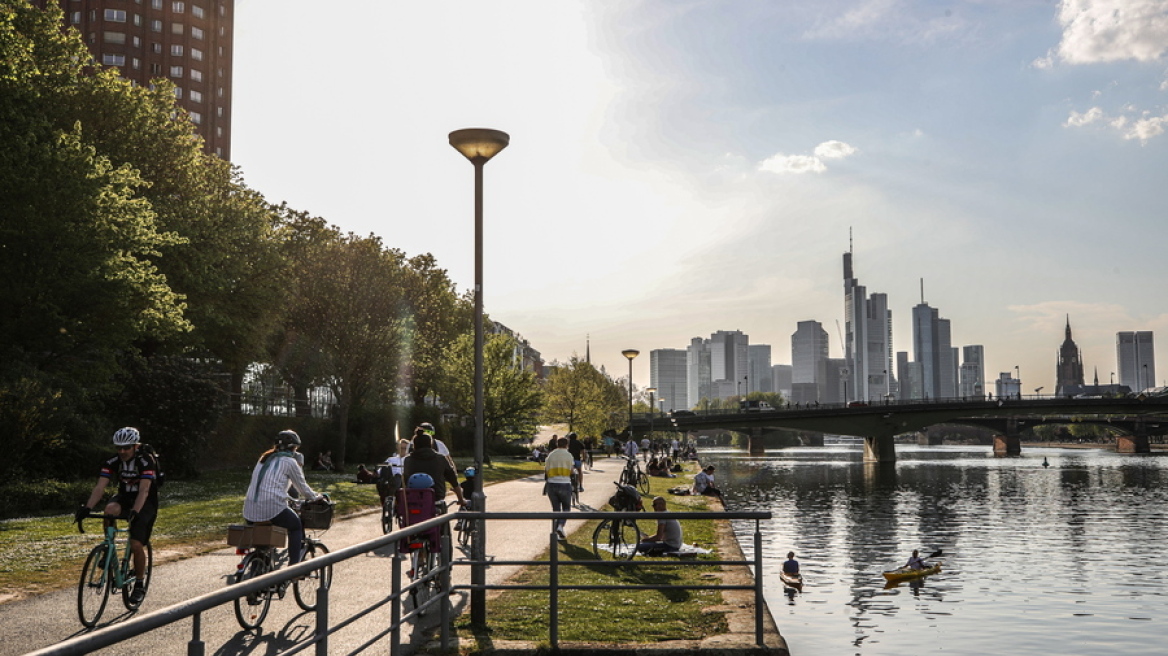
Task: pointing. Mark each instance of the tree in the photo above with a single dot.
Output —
(511, 395)
(438, 316)
(584, 398)
(349, 307)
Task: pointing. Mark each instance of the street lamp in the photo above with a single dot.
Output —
(630, 354)
(1144, 381)
(478, 145)
(652, 399)
(1018, 375)
(1037, 390)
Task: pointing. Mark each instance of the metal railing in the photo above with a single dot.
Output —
(195, 607)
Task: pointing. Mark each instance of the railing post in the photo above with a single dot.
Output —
(196, 647)
(444, 588)
(554, 591)
(322, 617)
(758, 599)
(395, 605)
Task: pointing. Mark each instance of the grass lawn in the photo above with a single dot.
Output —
(629, 616)
(45, 553)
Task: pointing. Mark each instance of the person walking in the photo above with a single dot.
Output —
(557, 472)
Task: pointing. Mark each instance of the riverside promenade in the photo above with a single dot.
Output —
(529, 540)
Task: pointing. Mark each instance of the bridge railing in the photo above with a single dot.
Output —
(324, 626)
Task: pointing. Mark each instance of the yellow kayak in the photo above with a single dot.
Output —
(905, 573)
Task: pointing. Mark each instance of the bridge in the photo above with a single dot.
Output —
(878, 423)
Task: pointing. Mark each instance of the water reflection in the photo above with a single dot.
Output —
(1042, 554)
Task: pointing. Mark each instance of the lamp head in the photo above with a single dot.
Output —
(630, 353)
(479, 144)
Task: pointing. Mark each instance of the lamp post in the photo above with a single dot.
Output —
(1144, 383)
(630, 354)
(478, 145)
(652, 408)
(1018, 375)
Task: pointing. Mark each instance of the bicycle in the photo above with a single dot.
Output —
(427, 558)
(634, 477)
(387, 489)
(252, 609)
(617, 539)
(575, 488)
(465, 528)
(103, 573)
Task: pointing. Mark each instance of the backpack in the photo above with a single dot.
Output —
(159, 475)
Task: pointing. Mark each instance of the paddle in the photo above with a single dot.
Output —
(935, 554)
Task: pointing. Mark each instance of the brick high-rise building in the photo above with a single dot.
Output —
(188, 43)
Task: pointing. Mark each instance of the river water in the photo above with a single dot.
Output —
(1067, 558)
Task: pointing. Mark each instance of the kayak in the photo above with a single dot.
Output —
(792, 580)
(905, 573)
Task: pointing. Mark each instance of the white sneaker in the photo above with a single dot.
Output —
(560, 534)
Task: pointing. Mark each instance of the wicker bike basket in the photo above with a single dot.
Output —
(317, 514)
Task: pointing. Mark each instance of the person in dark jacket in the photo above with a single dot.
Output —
(424, 459)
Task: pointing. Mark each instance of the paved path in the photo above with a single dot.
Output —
(47, 619)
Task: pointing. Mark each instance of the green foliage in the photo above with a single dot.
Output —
(28, 496)
(581, 396)
(511, 395)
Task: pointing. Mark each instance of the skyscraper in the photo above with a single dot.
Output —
(667, 372)
(728, 360)
(188, 43)
(1069, 371)
(867, 339)
(809, 351)
(1135, 354)
(759, 368)
(697, 372)
(932, 350)
(972, 372)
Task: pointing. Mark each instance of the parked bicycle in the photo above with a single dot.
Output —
(260, 559)
(617, 539)
(633, 476)
(104, 574)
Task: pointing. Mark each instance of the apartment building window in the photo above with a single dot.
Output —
(219, 92)
(218, 131)
(75, 18)
(92, 15)
(177, 28)
(138, 20)
(155, 26)
(196, 75)
(178, 92)
(176, 50)
(110, 59)
(196, 118)
(219, 112)
(156, 48)
(197, 33)
(135, 63)
(137, 42)
(198, 12)
(155, 70)
(156, 4)
(178, 7)
(115, 15)
(196, 96)
(176, 71)
(113, 37)
(196, 54)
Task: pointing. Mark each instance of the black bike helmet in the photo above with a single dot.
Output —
(287, 439)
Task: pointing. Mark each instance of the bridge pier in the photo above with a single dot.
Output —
(879, 449)
(925, 438)
(754, 442)
(1009, 444)
(1137, 442)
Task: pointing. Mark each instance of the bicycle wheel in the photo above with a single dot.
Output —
(465, 532)
(575, 489)
(387, 515)
(427, 562)
(305, 588)
(128, 571)
(94, 587)
(251, 609)
(616, 539)
(643, 482)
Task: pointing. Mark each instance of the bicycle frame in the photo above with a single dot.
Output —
(106, 571)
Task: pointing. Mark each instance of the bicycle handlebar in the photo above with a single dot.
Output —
(95, 515)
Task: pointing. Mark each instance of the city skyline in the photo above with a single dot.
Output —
(675, 170)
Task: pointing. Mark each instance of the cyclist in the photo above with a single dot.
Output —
(576, 448)
(424, 459)
(136, 499)
(267, 494)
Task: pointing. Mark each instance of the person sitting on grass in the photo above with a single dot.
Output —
(704, 483)
(668, 535)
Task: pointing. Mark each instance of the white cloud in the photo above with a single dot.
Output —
(792, 164)
(1113, 30)
(1090, 116)
(834, 150)
(1146, 128)
(780, 163)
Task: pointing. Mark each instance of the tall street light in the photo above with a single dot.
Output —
(652, 408)
(630, 354)
(478, 145)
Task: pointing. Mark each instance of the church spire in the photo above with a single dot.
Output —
(1068, 327)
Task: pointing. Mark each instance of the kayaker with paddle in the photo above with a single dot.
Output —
(916, 562)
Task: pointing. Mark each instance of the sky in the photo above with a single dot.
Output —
(682, 167)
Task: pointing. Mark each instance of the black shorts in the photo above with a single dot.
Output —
(143, 525)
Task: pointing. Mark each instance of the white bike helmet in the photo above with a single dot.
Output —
(126, 436)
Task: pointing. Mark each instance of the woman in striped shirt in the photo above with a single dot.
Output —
(267, 495)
